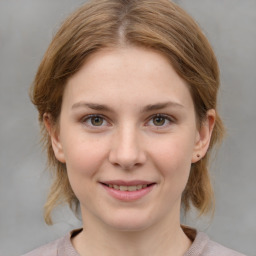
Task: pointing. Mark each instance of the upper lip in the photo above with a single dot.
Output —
(127, 183)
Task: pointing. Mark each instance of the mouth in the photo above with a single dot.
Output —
(128, 191)
(128, 188)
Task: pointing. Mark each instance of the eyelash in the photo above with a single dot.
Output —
(89, 118)
(166, 118)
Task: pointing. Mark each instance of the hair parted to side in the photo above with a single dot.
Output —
(157, 24)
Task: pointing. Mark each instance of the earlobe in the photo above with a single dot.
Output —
(204, 136)
(55, 140)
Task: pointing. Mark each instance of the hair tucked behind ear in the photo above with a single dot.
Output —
(157, 24)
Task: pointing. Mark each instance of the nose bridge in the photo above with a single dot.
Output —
(127, 150)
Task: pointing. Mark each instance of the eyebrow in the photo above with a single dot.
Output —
(93, 106)
(159, 106)
(148, 108)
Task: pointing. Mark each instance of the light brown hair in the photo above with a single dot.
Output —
(157, 24)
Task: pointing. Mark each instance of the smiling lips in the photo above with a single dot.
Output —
(128, 191)
(127, 188)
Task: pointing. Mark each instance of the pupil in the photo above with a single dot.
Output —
(97, 121)
(159, 121)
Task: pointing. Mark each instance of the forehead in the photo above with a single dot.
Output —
(127, 74)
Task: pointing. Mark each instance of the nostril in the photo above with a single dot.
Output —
(127, 156)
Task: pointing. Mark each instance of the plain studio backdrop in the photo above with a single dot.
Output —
(26, 29)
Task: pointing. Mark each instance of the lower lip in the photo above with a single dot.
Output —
(128, 196)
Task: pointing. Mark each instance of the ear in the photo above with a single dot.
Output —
(203, 137)
(54, 134)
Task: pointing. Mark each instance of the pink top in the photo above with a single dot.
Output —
(201, 246)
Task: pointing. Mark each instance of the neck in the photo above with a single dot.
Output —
(164, 238)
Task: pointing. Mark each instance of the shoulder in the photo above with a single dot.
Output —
(60, 247)
(202, 245)
(214, 248)
(50, 249)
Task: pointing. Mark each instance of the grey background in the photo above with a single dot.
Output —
(26, 28)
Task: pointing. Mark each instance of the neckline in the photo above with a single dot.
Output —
(199, 241)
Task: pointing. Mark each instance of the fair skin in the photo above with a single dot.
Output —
(128, 120)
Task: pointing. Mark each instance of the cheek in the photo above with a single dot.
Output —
(172, 157)
(84, 163)
(84, 159)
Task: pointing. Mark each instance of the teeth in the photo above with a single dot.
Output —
(127, 188)
(123, 188)
(132, 188)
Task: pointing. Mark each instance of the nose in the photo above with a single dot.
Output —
(126, 150)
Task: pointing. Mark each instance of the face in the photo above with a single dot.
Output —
(128, 136)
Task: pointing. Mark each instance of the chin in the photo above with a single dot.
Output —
(129, 222)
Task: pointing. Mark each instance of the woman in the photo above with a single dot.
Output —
(126, 95)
